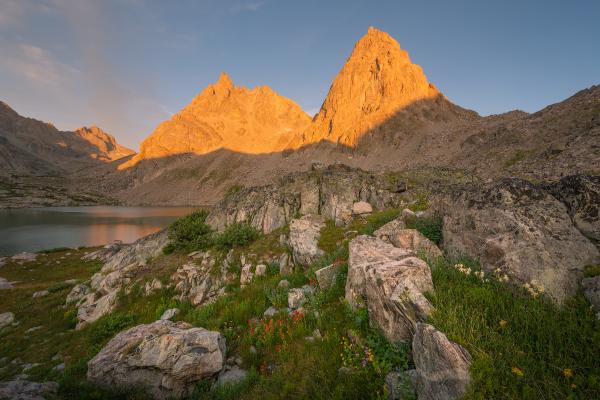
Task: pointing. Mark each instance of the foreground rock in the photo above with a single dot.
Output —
(521, 229)
(6, 319)
(21, 389)
(304, 239)
(122, 263)
(581, 195)
(394, 232)
(330, 192)
(390, 281)
(167, 359)
(442, 366)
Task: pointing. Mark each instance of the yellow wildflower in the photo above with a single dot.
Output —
(573, 386)
(517, 371)
(568, 372)
(503, 322)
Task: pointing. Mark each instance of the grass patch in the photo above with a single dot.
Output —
(522, 347)
(430, 227)
(591, 271)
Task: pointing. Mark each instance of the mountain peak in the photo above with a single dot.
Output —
(224, 81)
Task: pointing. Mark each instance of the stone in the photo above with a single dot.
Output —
(283, 284)
(304, 239)
(326, 276)
(167, 359)
(77, 293)
(169, 314)
(41, 293)
(518, 227)
(391, 282)
(21, 389)
(408, 215)
(270, 312)
(59, 368)
(296, 298)
(4, 284)
(361, 208)
(6, 319)
(442, 366)
(152, 286)
(401, 187)
(390, 229)
(231, 375)
(581, 195)
(24, 257)
(94, 307)
(246, 276)
(35, 328)
(261, 270)
(2, 261)
(71, 281)
(285, 266)
(414, 240)
(591, 291)
(199, 284)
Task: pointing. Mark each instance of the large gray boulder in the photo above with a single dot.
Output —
(442, 366)
(521, 229)
(165, 358)
(200, 284)
(581, 195)
(93, 306)
(391, 282)
(304, 239)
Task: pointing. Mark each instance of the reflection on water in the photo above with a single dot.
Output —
(45, 228)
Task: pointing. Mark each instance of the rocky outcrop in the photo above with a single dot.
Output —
(442, 366)
(394, 232)
(122, 264)
(521, 229)
(304, 239)
(326, 276)
(77, 293)
(390, 281)
(21, 389)
(165, 358)
(581, 195)
(330, 192)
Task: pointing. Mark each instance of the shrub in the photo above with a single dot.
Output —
(190, 233)
(277, 297)
(107, 327)
(378, 219)
(430, 227)
(237, 234)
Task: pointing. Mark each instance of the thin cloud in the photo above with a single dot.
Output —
(37, 65)
(247, 6)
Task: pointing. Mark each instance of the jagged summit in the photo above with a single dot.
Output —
(377, 81)
(227, 116)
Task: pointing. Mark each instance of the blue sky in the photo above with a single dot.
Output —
(126, 65)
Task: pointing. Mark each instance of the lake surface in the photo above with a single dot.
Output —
(35, 229)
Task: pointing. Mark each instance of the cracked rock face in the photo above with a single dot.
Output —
(442, 366)
(521, 229)
(304, 239)
(165, 358)
(391, 282)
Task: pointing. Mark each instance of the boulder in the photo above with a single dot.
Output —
(408, 215)
(41, 293)
(152, 286)
(77, 293)
(167, 359)
(296, 298)
(390, 229)
(400, 385)
(199, 284)
(93, 307)
(518, 227)
(326, 276)
(390, 281)
(581, 195)
(304, 239)
(21, 389)
(270, 312)
(361, 208)
(104, 253)
(4, 284)
(284, 283)
(414, 240)
(246, 275)
(261, 270)
(169, 314)
(591, 290)
(6, 319)
(24, 257)
(285, 266)
(442, 366)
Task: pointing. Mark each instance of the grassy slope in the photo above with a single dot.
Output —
(532, 355)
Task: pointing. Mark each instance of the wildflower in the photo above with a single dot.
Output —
(503, 322)
(517, 371)
(568, 372)
(573, 386)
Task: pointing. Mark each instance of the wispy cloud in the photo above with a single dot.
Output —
(247, 6)
(37, 65)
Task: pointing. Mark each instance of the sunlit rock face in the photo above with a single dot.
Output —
(378, 81)
(226, 116)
